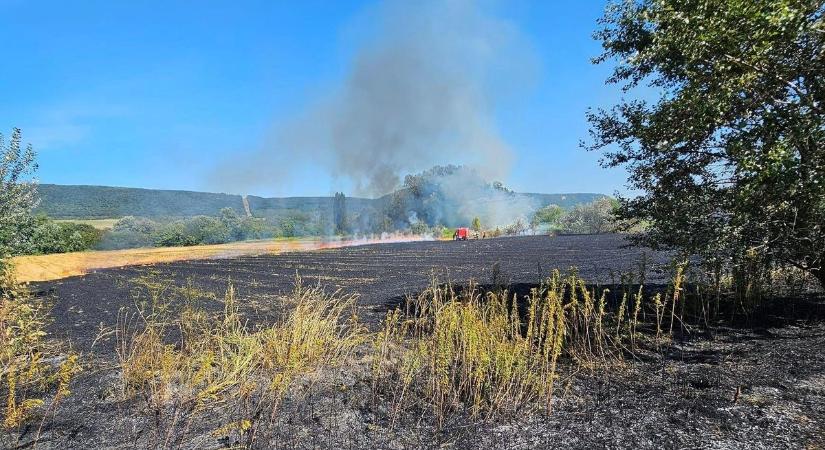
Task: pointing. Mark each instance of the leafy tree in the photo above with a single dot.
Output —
(17, 193)
(371, 220)
(241, 227)
(440, 194)
(229, 226)
(135, 225)
(339, 212)
(229, 217)
(130, 232)
(397, 209)
(25, 374)
(173, 234)
(207, 230)
(48, 236)
(42, 235)
(516, 228)
(591, 218)
(548, 216)
(476, 224)
(730, 159)
(233, 224)
(254, 228)
(288, 227)
(419, 228)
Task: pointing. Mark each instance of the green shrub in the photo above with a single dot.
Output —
(591, 218)
(41, 235)
(139, 225)
(207, 230)
(419, 228)
(173, 234)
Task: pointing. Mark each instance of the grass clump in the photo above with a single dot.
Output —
(448, 353)
(491, 352)
(221, 361)
(27, 376)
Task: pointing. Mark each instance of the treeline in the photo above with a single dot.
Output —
(588, 218)
(596, 217)
(420, 193)
(229, 226)
(433, 202)
(44, 235)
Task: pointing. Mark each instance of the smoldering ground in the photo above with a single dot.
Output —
(421, 89)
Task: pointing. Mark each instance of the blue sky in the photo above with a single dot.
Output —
(159, 94)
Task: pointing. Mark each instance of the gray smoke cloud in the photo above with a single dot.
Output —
(467, 198)
(420, 90)
(453, 196)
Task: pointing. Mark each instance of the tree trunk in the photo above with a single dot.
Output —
(820, 275)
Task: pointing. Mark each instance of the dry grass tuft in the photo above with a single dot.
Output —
(490, 352)
(443, 352)
(26, 376)
(220, 361)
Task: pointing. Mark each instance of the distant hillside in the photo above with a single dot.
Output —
(103, 202)
(278, 207)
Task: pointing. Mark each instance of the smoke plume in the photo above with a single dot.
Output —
(420, 90)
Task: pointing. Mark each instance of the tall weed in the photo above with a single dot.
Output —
(27, 375)
(221, 361)
(490, 352)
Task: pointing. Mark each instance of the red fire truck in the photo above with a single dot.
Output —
(464, 233)
(461, 234)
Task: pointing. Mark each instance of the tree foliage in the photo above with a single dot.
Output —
(41, 235)
(25, 375)
(592, 218)
(339, 213)
(516, 228)
(548, 217)
(729, 159)
(88, 202)
(228, 226)
(18, 193)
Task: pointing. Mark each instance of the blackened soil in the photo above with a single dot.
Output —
(381, 274)
(738, 389)
(757, 385)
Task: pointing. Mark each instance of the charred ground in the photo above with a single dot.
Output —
(760, 385)
(382, 275)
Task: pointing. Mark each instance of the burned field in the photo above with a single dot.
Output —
(381, 275)
(752, 384)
